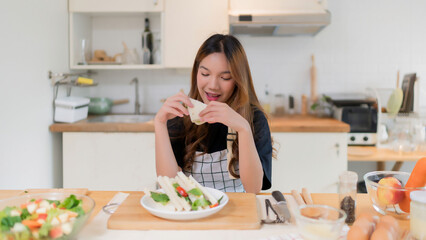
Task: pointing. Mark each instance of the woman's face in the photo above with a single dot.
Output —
(214, 79)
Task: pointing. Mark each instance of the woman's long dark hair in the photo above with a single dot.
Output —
(243, 99)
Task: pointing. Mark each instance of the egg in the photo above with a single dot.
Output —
(369, 216)
(382, 234)
(389, 223)
(366, 224)
(390, 220)
(358, 233)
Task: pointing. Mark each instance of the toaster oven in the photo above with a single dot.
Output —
(362, 121)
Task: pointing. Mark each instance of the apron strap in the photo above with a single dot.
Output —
(232, 135)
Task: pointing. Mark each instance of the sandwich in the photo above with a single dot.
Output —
(194, 112)
(182, 193)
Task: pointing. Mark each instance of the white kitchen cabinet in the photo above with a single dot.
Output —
(180, 25)
(109, 161)
(188, 23)
(311, 160)
(111, 6)
(107, 24)
(126, 161)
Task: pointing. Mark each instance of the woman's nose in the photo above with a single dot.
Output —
(214, 83)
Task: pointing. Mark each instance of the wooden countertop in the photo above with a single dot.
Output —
(381, 154)
(332, 199)
(291, 123)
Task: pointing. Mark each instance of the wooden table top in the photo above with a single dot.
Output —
(364, 154)
(332, 199)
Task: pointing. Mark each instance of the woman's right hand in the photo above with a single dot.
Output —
(173, 107)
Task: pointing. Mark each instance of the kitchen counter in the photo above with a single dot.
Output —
(97, 228)
(291, 123)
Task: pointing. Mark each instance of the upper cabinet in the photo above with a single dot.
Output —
(112, 30)
(116, 6)
(188, 23)
(107, 34)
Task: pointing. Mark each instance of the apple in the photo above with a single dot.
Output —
(387, 192)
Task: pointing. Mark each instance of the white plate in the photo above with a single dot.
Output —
(149, 204)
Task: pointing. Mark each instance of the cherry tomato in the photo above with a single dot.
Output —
(182, 191)
(214, 205)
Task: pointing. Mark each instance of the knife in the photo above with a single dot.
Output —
(281, 205)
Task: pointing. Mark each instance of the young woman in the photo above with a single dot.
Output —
(232, 151)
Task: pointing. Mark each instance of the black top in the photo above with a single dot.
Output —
(216, 141)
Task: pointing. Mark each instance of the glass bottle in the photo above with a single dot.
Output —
(347, 194)
(279, 105)
(266, 102)
(147, 44)
(157, 52)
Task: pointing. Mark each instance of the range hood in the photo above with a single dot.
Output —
(278, 17)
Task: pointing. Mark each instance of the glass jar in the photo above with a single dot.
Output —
(401, 137)
(347, 194)
(418, 214)
(279, 105)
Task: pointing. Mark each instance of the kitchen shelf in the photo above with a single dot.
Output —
(118, 67)
(107, 31)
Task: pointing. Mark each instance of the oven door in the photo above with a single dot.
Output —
(360, 119)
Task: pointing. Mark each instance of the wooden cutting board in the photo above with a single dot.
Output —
(240, 213)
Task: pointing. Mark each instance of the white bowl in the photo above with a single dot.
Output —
(150, 205)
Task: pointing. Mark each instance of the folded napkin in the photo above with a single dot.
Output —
(96, 229)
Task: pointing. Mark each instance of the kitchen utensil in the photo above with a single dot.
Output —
(110, 208)
(307, 196)
(103, 105)
(297, 197)
(87, 206)
(281, 205)
(267, 220)
(148, 203)
(291, 104)
(292, 206)
(304, 109)
(279, 217)
(313, 80)
(386, 199)
(395, 99)
(240, 213)
(408, 88)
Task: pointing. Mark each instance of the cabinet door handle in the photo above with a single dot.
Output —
(337, 145)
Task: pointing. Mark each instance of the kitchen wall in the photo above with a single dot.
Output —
(366, 43)
(364, 46)
(33, 40)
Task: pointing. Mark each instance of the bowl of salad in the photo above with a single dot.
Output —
(44, 216)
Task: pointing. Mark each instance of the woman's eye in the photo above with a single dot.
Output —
(205, 74)
(227, 78)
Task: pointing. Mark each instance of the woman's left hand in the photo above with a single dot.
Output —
(221, 112)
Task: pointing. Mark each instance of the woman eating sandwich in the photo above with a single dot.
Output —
(230, 147)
